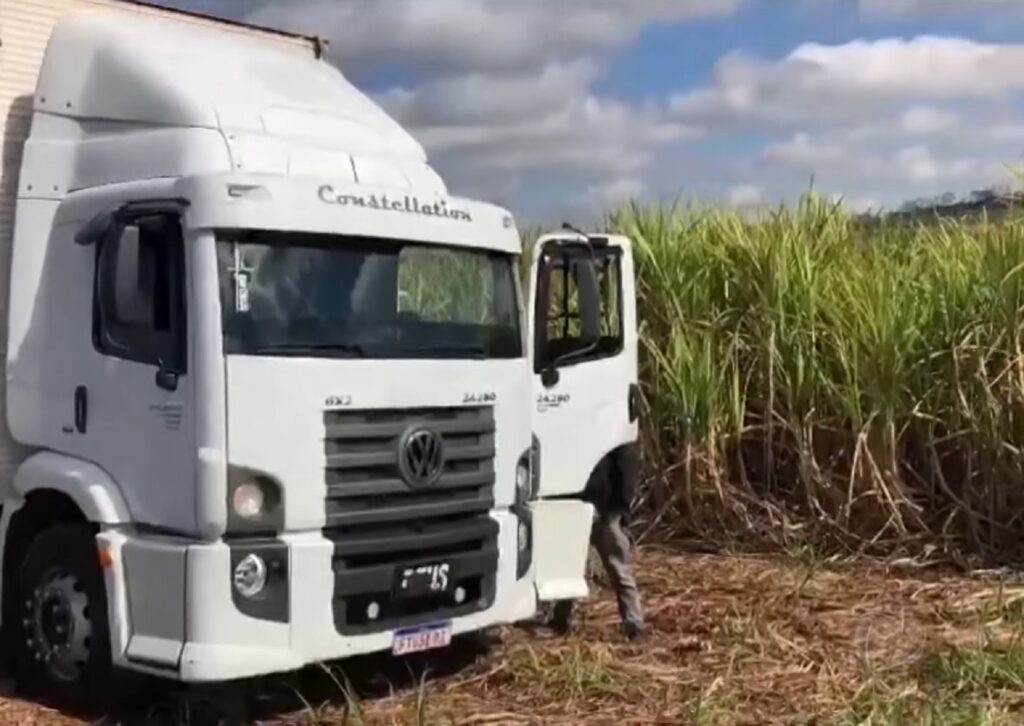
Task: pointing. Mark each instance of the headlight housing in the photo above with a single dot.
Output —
(260, 578)
(255, 503)
(527, 490)
(524, 488)
(528, 474)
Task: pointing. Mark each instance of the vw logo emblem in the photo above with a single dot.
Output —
(420, 457)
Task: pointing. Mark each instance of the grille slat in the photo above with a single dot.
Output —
(362, 460)
(392, 429)
(470, 453)
(380, 524)
(346, 515)
(366, 487)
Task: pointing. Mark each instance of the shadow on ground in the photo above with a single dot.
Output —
(296, 697)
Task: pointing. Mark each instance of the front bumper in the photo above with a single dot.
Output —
(172, 610)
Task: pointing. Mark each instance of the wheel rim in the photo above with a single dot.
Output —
(57, 626)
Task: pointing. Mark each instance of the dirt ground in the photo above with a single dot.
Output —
(733, 640)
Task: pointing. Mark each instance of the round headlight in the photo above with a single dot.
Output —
(250, 576)
(247, 500)
(523, 482)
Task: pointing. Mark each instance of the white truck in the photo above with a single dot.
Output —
(272, 395)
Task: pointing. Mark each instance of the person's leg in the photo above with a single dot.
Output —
(612, 544)
(561, 617)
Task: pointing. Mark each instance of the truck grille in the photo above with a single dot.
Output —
(381, 525)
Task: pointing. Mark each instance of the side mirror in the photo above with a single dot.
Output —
(590, 305)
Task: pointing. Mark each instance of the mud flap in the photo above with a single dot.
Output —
(561, 531)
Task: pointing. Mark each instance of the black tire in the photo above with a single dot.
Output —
(63, 643)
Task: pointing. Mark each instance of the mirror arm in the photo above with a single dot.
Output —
(93, 230)
(166, 379)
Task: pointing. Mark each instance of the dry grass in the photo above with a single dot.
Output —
(735, 640)
(751, 641)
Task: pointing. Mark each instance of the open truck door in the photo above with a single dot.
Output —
(583, 345)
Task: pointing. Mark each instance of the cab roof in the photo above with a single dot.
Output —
(164, 71)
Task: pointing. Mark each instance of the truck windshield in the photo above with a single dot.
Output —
(325, 296)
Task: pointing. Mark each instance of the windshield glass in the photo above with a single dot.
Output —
(327, 296)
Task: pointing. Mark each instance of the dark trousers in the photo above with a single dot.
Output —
(609, 538)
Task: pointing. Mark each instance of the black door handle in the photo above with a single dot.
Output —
(81, 409)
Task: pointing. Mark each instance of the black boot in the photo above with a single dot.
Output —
(561, 618)
(632, 631)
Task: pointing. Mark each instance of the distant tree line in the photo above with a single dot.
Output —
(994, 202)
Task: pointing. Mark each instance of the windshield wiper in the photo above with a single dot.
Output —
(471, 351)
(349, 349)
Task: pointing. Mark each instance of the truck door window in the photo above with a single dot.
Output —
(561, 322)
(139, 294)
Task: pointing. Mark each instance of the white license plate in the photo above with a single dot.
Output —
(417, 640)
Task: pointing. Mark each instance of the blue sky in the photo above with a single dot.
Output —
(561, 108)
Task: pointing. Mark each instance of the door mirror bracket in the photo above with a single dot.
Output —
(550, 376)
(166, 379)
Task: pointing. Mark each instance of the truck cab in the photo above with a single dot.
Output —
(279, 397)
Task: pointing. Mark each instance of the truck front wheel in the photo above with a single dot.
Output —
(64, 643)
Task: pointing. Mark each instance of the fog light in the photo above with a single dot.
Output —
(460, 595)
(247, 500)
(524, 537)
(373, 610)
(250, 576)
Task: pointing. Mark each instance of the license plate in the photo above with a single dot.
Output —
(423, 580)
(417, 640)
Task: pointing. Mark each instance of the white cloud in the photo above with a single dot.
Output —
(871, 167)
(877, 120)
(746, 195)
(925, 120)
(613, 193)
(848, 83)
(480, 98)
(894, 9)
(1008, 131)
(918, 164)
(482, 35)
(804, 152)
(586, 134)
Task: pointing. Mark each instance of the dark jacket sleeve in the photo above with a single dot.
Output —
(612, 485)
(625, 475)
